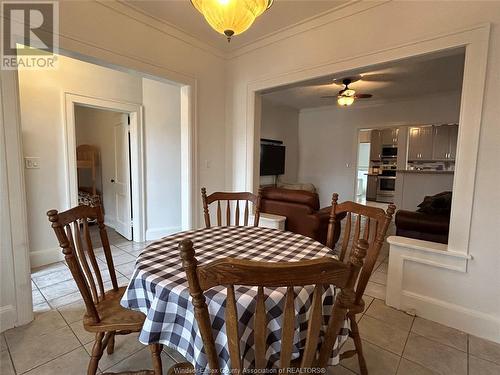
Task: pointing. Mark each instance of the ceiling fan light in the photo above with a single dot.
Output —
(231, 17)
(348, 92)
(345, 101)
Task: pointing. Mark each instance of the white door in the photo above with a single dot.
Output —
(121, 180)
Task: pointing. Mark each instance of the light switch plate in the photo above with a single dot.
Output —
(32, 163)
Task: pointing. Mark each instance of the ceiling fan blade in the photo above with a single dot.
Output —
(363, 96)
(351, 78)
(380, 77)
(328, 96)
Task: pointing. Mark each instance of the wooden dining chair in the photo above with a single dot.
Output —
(229, 272)
(360, 223)
(229, 198)
(104, 315)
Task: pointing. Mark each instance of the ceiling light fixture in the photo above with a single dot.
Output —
(345, 100)
(231, 17)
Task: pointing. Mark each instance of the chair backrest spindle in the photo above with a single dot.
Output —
(230, 198)
(370, 224)
(72, 231)
(260, 330)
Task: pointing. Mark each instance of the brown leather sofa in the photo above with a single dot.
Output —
(423, 226)
(301, 208)
(431, 222)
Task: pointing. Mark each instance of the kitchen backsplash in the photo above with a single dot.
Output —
(433, 166)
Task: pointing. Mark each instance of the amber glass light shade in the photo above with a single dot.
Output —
(345, 100)
(231, 17)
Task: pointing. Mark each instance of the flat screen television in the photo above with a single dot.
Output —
(272, 159)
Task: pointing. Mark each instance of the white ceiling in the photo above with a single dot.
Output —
(183, 16)
(427, 75)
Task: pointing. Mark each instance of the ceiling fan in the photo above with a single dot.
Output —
(346, 96)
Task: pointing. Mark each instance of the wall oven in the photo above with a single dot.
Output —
(386, 186)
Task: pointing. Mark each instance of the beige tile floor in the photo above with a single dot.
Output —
(394, 342)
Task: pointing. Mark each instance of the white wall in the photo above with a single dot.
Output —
(96, 127)
(281, 123)
(328, 137)
(43, 122)
(320, 44)
(112, 33)
(162, 134)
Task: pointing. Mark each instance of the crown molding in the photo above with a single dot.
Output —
(342, 11)
(348, 9)
(162, 26)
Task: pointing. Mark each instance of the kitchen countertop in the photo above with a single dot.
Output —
(427, 171)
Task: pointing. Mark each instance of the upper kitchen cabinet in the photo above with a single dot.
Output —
(375, 144)
(453, 131)
(420, 143)
(445, 142)
(389, 136)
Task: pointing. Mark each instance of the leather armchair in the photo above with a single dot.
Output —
(301, 208)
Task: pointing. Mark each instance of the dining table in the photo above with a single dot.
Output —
(159, 289)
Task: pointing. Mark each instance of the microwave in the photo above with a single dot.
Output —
(389, 152)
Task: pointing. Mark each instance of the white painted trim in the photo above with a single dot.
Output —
(426, 247)
(467, 320)
(150, 20)
(18, 220)
(332, 15)
(8, 317)
(157, 233)
(135, 112)
(402, 253)
(43, 257)
(189, 152)
(475, 39)
(110, 222)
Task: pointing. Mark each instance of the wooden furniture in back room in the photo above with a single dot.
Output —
(88, 168)
(362, 223)
(105, 316)
(228, 272)
(231, 199)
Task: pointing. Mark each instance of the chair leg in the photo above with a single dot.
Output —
(359, 348)
(111, 344)
(96, 354)
(156, 356)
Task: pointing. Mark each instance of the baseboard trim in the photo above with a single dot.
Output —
(43, 257)
(110, 223)
(471, 321)
(157, 233)
(8, 317)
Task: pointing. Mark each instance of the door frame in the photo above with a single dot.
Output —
(475, 40)
(15, 229)
(135, 111)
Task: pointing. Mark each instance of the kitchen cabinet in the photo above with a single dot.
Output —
(420, 145)
(371, 188)
(445, 142)
(389, 136)
(375, 144)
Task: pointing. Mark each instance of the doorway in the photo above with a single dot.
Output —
(362, 165)
(103, 165)
(120, 126)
